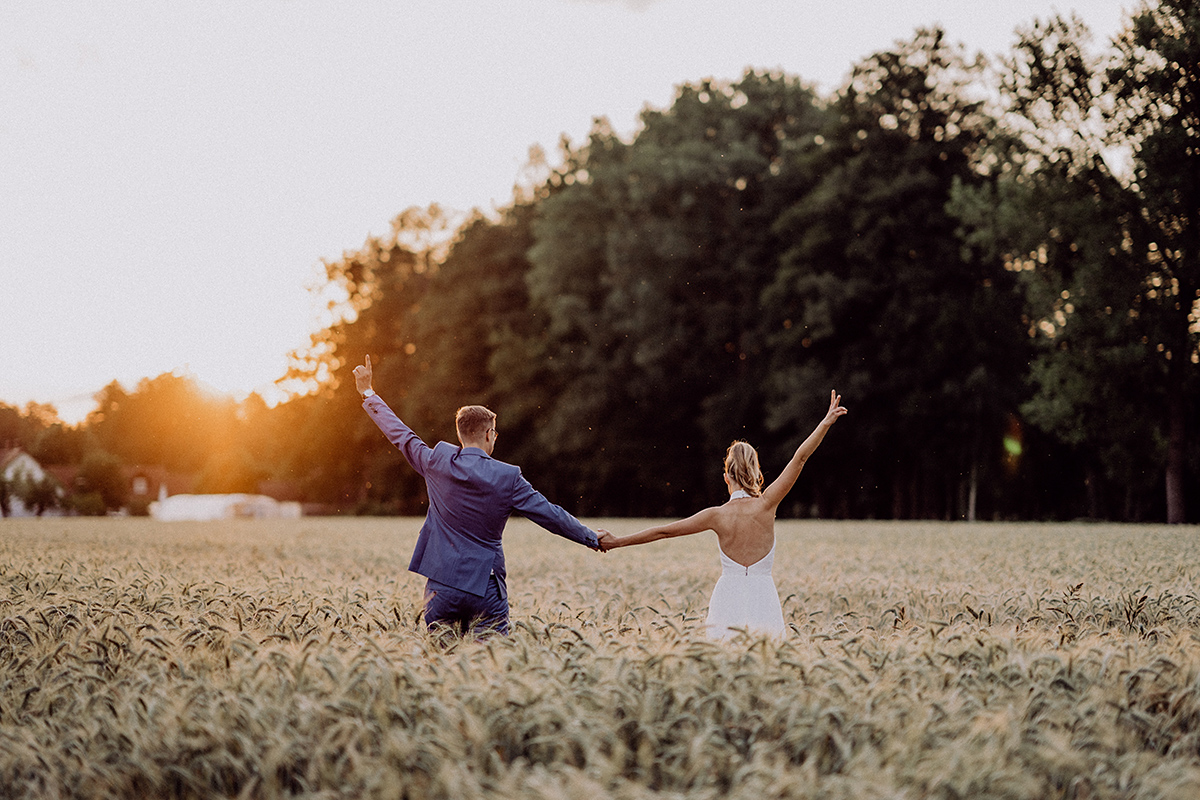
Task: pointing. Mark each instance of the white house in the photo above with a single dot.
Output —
(221, 506)
(17, 468)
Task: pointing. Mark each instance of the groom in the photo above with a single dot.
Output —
(471, 496)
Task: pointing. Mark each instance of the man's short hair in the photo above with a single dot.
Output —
(473, 422)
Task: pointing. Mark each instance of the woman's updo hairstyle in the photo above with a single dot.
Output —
(741, 465)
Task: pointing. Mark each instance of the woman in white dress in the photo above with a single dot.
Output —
(745, 596)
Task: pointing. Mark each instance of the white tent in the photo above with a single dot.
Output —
(222, 506)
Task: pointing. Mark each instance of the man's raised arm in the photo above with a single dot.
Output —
(415, 451)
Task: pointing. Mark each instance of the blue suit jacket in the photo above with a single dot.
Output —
(471, 497)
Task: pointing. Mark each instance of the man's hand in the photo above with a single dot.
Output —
(362, 377)
(606, 539)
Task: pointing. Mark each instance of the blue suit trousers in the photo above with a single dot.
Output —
(463, 612)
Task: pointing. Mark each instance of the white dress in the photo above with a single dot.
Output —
(745, 597)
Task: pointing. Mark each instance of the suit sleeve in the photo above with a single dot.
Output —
(415, 451)
(536, 508)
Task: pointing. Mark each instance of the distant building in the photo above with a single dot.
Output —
(18, 469)
(150, 482)
(180, 507)
(279, 499)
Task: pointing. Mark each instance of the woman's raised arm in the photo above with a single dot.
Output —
(779, 488)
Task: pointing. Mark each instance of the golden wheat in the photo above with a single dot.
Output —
(262, 660)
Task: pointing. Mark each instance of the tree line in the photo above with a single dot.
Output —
(996, 264)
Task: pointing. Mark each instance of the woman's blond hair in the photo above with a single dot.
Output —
(741, 465)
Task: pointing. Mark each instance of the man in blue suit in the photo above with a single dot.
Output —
(471, 496)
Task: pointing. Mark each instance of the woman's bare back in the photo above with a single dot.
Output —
(745, 528)
(745, 525)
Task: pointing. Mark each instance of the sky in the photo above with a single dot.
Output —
(173, 174)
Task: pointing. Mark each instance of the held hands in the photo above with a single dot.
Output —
(362, 377)
(606, 539)
(835, 409)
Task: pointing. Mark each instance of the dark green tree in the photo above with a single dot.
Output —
(476, 308)
(22, 427)
(648, 262)
(1155, 84)
(1094, 206)
(63, 444)
(101, 475)
(167, 420)
(11, 426)
(876, 298)
(230, 471)
(374, 296)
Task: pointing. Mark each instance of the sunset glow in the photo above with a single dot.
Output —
(174, 176)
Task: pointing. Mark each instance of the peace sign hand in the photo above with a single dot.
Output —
(835, 408)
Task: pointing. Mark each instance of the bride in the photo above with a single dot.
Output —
(745, 596)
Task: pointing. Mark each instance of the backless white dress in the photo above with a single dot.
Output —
(745, 598)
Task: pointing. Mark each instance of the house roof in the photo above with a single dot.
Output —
(7, 455)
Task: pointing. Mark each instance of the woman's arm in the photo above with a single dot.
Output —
(779, 488)
(700, 521)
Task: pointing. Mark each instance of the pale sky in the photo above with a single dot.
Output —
(173, 173)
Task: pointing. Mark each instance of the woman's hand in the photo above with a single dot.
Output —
(835, 409)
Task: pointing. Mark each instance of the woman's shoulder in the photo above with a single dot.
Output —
(743, 508)
(747, 503)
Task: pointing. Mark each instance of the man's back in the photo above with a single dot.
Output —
(471, 497)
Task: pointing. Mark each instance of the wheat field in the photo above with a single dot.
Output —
(284, 659)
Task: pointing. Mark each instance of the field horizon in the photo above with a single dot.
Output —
(286, 659)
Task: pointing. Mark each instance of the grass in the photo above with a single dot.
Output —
(272, 659)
